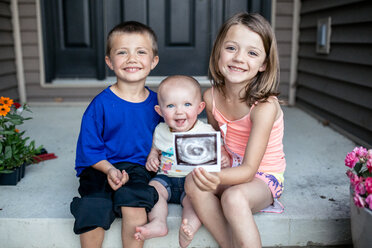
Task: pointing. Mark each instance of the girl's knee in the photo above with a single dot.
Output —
(234, 199)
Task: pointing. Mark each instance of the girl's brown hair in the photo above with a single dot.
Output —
(265, 83)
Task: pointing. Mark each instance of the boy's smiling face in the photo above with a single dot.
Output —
(131, 57)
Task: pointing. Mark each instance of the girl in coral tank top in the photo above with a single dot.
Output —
(242, 103)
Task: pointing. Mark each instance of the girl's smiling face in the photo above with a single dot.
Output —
(242, 55)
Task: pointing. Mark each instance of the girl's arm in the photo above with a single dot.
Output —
(263, 117)
(207, 97)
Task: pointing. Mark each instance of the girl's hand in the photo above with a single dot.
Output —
(225, 159)
(152, 164)
(204, 180)
(116, 179)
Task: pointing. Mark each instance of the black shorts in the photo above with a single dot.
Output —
(99, 204)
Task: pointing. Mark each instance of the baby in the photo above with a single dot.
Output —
(180, 103)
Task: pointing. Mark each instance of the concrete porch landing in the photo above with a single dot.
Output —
(35, 212)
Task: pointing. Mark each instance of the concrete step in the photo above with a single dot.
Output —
(35, 212)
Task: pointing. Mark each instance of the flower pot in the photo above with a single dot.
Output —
(22, 170)
(361, 225)
(11, 178)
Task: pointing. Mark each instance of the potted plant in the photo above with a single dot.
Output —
(15, 150)
(360, 174)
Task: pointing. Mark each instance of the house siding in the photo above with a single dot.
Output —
(8, 74)
(283, 32)
(337, 87)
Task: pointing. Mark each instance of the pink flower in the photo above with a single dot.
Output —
(360, 151)
(349, 174)
(368, 185)
(354, 180)
(358, 200)
(369, 164)
(369, 201)
(369, 155)
(359, 188)
(351, 159)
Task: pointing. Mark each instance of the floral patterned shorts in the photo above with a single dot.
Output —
(275, 185)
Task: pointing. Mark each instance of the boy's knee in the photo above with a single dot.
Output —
(90, 213)
(140, 196)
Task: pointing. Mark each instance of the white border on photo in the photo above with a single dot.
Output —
(209, 157)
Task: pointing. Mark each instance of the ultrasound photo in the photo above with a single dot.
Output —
(197, 150)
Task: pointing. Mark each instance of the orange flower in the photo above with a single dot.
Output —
(6, 101)
(16, 130)
(4, 109)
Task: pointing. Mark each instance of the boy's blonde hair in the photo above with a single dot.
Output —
(132, 27)
(265, 83)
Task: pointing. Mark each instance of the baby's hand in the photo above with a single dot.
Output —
(152, 164)
(116, 179)
(225, 159)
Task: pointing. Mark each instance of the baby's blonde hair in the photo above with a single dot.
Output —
(176, 80)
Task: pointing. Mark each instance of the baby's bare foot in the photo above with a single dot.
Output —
(150, 230)
(186, 233)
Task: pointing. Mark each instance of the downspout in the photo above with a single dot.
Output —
(18, 51)
(273, 14)
(40, 44)
(294, 53)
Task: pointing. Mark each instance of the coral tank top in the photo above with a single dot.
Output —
(236, 134)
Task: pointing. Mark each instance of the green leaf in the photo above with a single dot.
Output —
(16, 121)
(8, 152)
(6, 132)
(357, 167)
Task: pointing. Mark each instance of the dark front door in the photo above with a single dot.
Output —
(75, 32)
(73, 44)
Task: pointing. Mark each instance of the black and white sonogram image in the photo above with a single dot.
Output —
(196, 149)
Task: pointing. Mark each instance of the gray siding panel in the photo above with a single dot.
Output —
(4, 9)
(357, 74)
(8, 79)
(342, 15)
(361, 96)
(347, 53)
(283, 32)
(349, 112)
(338, 86)
(319, 5)
(361, 34)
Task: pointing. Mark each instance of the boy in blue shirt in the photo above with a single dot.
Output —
(115, 139)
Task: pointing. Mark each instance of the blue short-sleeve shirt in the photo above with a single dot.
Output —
(116, 130)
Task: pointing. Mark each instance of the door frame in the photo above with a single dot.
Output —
(216, 21)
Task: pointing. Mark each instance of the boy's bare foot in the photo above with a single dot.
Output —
(186, 233)
(151, 230)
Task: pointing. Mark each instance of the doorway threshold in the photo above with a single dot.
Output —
(152, 81)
